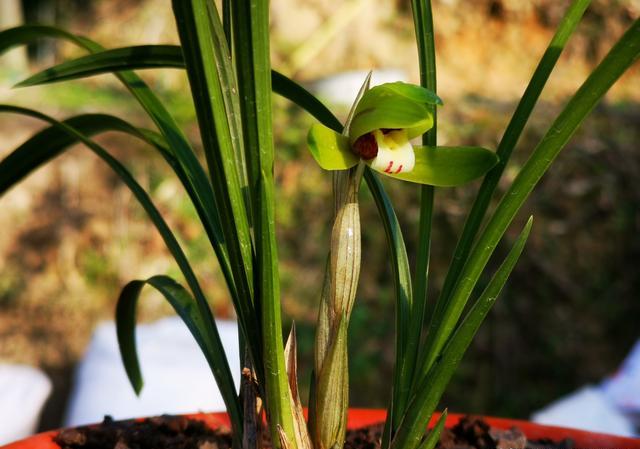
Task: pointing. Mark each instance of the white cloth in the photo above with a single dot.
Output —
(623, 388)
(611, 407)
(342, 88)
(176, 376)
(23, 392)
(586, 409)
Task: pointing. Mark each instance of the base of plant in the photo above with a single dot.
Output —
(211, 431)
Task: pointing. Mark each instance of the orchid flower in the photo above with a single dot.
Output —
(385, 120)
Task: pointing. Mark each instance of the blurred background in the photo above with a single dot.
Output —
(72, 234)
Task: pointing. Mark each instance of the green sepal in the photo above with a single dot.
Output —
(394, 105)
(330, 149)
(448, 166)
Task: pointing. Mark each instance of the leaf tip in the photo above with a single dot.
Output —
(137, 386)
(23, 83)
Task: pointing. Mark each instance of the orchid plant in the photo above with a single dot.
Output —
(225, 54)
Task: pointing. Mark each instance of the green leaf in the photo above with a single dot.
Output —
(330, 149)
(448, 166)
(183, 152)
(294, 92)
(52, 141)
(623, 54)
(184, 305)
(430, 390)
(434, 434)
(113, 60)
(383, 109)
(401, 282)
(508, 142)
(425, 39)
(251, 52)
(21, 35)
(224, 379)
(168, 56)
(211, 87)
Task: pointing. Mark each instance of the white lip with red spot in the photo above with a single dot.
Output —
(395, 153)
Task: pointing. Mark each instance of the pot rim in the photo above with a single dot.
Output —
(360, 417)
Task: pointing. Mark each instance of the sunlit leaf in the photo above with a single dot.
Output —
(509, 140)
(114, 60)
(430, 389)
(433, 436)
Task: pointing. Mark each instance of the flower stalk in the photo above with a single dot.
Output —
(336, 303)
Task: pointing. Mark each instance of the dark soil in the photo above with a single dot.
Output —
(180, 433)
(154, 433)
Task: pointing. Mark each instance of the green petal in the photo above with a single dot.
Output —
(448, 166)
(391, 112)
(394, 105)
(414, 92)
(330, 149)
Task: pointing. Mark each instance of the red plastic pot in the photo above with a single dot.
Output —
(365, 417)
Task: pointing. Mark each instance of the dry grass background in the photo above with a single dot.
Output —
(72, 236)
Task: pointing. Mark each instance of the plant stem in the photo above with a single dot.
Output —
(338, 296)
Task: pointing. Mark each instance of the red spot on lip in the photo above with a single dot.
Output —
(398, 170)
(388, 169)
(366, 146)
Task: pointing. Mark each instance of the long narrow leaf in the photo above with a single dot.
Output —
(184, 305)
(180, 147)
(52, 141)
(216, 132)
(168, 56)
(434, 434)
(404, 378)
(623, 54)
(250, 25)
(507, 144)
(294, 92)
(427, 396)
(401, 279)
(113, 60)
(223, 374)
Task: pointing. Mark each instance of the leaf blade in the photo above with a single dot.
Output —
(509, 140)
(183, 304)
(623, 54)
(225, 381)
(107, 61)
(430, 390)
